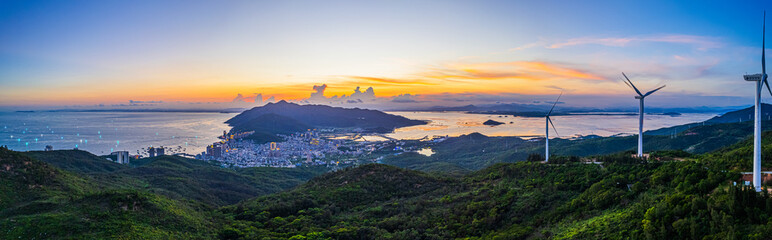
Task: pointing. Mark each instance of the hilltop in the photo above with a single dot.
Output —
(745, 114)
(179, 177)
(737, 116)
(38, 200)
(284, 117)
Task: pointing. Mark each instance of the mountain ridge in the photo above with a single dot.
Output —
(288, 117)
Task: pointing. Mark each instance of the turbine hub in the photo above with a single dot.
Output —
(753, 77)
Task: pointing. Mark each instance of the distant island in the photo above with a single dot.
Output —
(286, 118)
(167, 110)
(541, 114)
(492, 123)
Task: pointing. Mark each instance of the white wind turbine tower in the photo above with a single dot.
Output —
(760, 79)
(640, 97)
(547, 134)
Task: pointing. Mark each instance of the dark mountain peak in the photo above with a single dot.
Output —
(474, 135)
(283, 102)
(295, 116)
(278, 104)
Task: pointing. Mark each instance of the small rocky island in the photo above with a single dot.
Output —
(492, 123)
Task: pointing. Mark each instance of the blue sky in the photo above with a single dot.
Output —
(92, 52)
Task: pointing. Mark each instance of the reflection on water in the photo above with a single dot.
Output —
(459, 123)
(103, 132)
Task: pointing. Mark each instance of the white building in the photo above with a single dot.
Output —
(123, 157)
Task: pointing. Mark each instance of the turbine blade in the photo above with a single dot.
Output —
(767, 83)
(553, 127)
(556, 103)
(652, 91)
(763, 53)
(628, 85)
(632, 85)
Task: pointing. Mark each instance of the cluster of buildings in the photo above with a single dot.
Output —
(155, 151)
(121, 157)
(305, 148)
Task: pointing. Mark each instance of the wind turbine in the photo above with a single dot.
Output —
(640, 97)
(760, 79)
(547, 134)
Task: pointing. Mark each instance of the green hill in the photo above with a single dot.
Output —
(39, 201)
(620, 198)
(184, 178)
(476, 151)
(76, 161)
(179, 177)
(28, 182)
(266, 127)
(119, 214)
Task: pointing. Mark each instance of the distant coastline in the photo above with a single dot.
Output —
(230, 110)
(541, 114)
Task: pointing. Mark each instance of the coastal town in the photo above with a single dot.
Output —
(310, 148)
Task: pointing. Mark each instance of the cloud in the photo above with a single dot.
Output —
(366, 95)
(404, 98)
(476, 77)
(524, 70)
(258, 98)
(380, 80)
(141, 102)
(319, 94)
(700, 42)
(239, 98)
(356, 97)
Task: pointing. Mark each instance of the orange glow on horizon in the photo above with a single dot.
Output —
(521, 77)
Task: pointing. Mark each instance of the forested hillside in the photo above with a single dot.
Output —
(475, 151)
(675, 195)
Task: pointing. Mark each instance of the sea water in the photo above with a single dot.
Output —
(459, 123)
(103, 132)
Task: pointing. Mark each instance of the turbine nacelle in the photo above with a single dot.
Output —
(753, 77)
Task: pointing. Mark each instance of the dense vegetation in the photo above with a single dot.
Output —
(476, 151)
(622, 199)
(180, 178)
(675, 195)
(39, 201)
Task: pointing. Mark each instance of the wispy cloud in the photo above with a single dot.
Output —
(523, 70)
(483, 76)
(389, 81)
(700, 42)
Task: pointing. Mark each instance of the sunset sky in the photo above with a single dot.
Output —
(56, 53)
